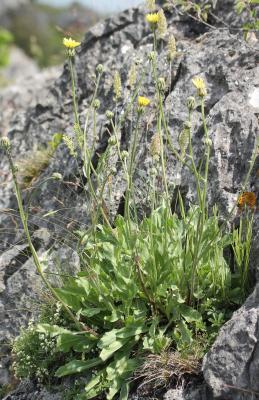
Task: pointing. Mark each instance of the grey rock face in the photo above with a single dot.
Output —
(231, 367)
(230, 67)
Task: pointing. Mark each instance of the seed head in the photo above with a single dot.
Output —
(155, 146)
(132, 78)
(171, 48)
(117, 85)
(151, 5)
(162, 23)
(184, 139)
(70, 145)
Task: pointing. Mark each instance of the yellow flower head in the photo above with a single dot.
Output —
(143, 101)
(247, 199)
(200, 86)
(70, 43)
(152, 19)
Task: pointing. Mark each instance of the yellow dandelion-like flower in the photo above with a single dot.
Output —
(162, 23)
(143, 101)
(247, 199)
(70, 43)
(152, 19)
(199, 83)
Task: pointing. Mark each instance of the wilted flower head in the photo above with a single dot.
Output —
(200, 86)
(247, 199)
(143, 101)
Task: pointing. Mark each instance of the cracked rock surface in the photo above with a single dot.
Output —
(229, 66)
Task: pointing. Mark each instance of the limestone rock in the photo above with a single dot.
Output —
(229, 66)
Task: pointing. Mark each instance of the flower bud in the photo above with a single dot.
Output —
(152, 56)
(96, 104)
(112, 140)
(124, 155)
(57, 176)
(5, 143)
(191, 103)
(99, 69)
(109, 115)
(161, 85)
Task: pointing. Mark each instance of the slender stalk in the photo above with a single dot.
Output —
(71, 68)
(34, 253)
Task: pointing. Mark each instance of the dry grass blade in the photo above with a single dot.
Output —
(162, 369)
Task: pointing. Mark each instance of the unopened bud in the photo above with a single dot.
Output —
(99, 68)
(57, 176)
(124, 155)
(5, 143)
(152, 55)
(112, 140)
(96, 104)
(109, 115)
(191, 103)
(161, 85)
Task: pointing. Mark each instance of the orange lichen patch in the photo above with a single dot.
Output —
(247, 199)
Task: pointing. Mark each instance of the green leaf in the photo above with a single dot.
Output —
(77, 366)
(190, 314)
(53, 330)
(94, 386)
(185, 333)
(109, 350)
(82, 342)
(124, 392)
(90, 312)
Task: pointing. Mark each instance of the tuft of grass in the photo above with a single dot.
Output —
(31, 166)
